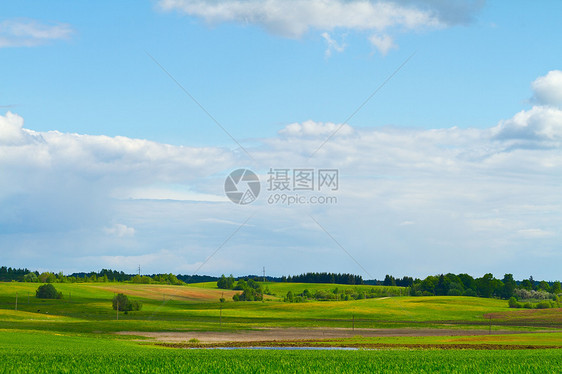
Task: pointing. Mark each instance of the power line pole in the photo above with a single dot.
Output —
(139, 270)
(264, 274)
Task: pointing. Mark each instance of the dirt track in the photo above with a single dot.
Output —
(293, 334)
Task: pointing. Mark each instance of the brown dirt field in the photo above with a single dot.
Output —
(312, 343)
(298, 334)
(528, 317)
(173, 292)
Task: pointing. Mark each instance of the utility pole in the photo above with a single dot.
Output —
(139, 270)
(264, 274)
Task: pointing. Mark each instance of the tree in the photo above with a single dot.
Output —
(526, 284)
(556, 288)
(241, 285)
(485, 285)
(47, 277)
(508, 286)
(442, 286)
(467, 281)
(122, 302)
(428, 285)
(226, 283)
(389, 281)
(30, 277)
(47, 291)
(544, 286)
(290, 297)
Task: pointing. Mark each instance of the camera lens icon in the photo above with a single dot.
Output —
(242, 186)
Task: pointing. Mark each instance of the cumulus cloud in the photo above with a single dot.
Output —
(294, 18)
(383, 43)
(541, 123)
(31, 33)
(442, 198)
(102, 156)
(313, 129)
(548, 89)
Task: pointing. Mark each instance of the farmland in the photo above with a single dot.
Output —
(80, 331)
(23, 352)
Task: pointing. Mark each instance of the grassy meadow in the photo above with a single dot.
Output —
(87, 306)
(76, 332)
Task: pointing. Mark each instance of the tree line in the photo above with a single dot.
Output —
(466, 285)
(324, 278)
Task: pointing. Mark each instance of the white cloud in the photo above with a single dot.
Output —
(168, 193)
(444, 198)
(332, 45)
(548, 89)
(120, 230)
(383, 43)
(314, 129)
(102, 156)
(31, 33)
(294, 18)
(541, 123)
(535, 233)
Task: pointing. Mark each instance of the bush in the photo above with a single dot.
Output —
(122, 302)
(513, 303)
(48, 291)
(543, 305)
(469, 292)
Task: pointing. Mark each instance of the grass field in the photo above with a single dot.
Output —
(76, 333)
(24, 352)
(170, 308)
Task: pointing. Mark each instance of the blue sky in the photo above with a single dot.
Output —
(107, 163)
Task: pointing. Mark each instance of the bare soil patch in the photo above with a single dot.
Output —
(299, 334)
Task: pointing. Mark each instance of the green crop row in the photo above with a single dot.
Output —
(39, 353)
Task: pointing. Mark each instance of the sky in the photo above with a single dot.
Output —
(442, 120)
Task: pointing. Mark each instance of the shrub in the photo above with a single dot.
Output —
(513, 303)
(122, 302)
(543, 305)
(48, 291)
(469, 292)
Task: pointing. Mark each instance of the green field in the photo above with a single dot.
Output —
(77, 332)
(24, 352)
(169, 308)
